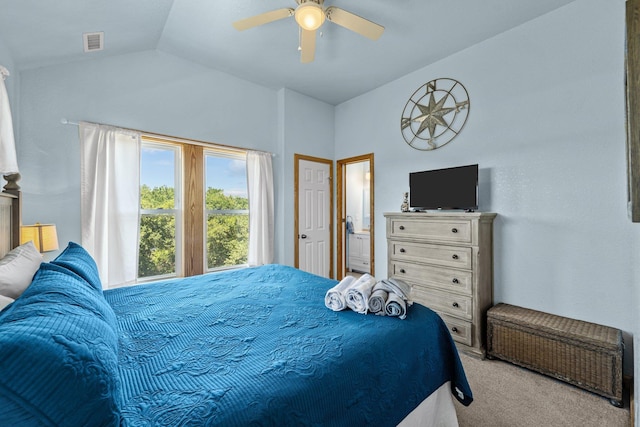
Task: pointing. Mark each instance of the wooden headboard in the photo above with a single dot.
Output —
(10, 214)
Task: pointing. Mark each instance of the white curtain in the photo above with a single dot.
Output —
(110, 200)
(261, 221)
(8, 161)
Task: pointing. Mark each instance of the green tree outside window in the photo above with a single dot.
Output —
(227, 231)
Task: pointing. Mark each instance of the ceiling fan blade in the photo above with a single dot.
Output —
(264, 18)
(307, 46)
(354, 23)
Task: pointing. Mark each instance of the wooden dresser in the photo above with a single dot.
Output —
(447, 258)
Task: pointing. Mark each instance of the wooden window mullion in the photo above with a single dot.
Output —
(193, 210)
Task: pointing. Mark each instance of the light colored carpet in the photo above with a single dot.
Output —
(506, 395)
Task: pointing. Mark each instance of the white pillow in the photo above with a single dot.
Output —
(5, 301)
(17, 269)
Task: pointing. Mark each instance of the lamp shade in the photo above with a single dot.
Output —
(44, 236)
(309, 16)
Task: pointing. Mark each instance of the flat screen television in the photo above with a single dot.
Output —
(450, 188)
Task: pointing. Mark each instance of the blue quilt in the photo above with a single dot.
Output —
(59, 349)
(258, 347)
(246, 347)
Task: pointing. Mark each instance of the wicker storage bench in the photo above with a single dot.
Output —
(581, 353)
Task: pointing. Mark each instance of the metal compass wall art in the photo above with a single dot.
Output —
(435, 114)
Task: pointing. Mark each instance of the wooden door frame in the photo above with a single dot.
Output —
(632, 88)
(296, 244)
(341, 214)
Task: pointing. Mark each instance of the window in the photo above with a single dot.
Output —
(160, 210)
(227, 209)
(194, 210)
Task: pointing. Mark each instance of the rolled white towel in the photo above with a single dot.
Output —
(396, 306)
(335, 299)
(377, 301)
(358, 294)
(396, 286)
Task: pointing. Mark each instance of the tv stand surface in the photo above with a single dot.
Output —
(441, 210)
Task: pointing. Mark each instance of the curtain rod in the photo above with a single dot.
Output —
(175, 138)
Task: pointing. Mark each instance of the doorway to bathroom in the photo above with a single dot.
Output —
(355, 215)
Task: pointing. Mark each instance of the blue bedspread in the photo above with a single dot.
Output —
(258, 347)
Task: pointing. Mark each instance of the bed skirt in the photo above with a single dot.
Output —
(436, 410)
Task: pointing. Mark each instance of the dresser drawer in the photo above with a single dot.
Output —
(452, 304)
(459, 329)
(446, 279)
(455, 231)
(448, 256)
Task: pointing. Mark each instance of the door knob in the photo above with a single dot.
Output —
(303, 236)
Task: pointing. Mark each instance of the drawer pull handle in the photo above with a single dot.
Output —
(455, 304)
(402, 271)
(455, 256)
(401, 227)
(402, 250)
(454, 230)
(456, 281)
(454, 329)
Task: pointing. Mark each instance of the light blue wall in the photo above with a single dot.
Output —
(547, 127)
(305, 127)
(157, 92)
(149, 91)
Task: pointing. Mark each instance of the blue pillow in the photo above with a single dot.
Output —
(59, 354)
(78, 260)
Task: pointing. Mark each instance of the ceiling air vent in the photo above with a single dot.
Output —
(93, 41)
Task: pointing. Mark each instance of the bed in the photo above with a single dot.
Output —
(253, 346)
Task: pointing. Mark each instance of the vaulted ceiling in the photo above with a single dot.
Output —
(40, 33)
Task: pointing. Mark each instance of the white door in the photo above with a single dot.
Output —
(314, 190)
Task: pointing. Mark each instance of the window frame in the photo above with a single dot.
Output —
(225, 152)
(190, 206)
(178, 207)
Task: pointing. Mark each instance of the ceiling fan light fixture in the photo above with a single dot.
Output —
(309, 16)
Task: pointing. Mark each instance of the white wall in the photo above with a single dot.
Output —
(547, 128)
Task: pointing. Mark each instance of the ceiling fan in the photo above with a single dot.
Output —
(310, 15)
